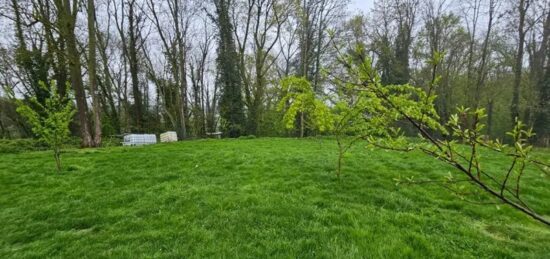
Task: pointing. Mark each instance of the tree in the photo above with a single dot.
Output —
(92, 74)
(540, 72)
(485, 54)
(406, 11)
(393, 38)
(299, 100)
(471, 16)
(204, 105)
(132, 52)
(522, 8)
(53, 126)
(32, 63)
(68, 12)
(443, 33)
(264, 19)
(51, 21)
(132, 42)
(314, 19)
(231, 101)
(110, 89)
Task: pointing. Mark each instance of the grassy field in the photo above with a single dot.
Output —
(251, 199)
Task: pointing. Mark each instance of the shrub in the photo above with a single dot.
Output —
(51, 122)
(21, 145)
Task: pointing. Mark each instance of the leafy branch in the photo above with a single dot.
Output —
(446, 141)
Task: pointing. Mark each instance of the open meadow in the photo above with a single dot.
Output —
(254, 198)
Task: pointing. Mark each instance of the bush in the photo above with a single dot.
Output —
(50, 122)
(111, 142)
(28, 145)
(21, 145)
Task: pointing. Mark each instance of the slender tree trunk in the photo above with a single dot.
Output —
(57, 157)
(320, 33)
(134, 66)
(484, 56)
(301, 124)
(5, 133)
(340, 158)
(183, 91)
(518, 67)
(490, 118)
(92, 76)
(471, 51)
(182, 33)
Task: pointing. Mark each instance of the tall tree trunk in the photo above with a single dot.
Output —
(484, 56)
(92, 73)
(490, 118)
(61, 69)
(181, 59)
(471, 51)
(518, 67)
(134, 66)
(68, 15)
(542, 77)
(185, 95)
(320, 34)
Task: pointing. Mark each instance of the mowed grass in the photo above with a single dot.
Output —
(252, 199)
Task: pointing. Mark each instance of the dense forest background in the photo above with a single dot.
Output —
(197, 66)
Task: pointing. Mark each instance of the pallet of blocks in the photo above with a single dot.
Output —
(169, 136)
(139, 139)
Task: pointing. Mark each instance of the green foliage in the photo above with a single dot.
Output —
(53, 127)
(369, 110)
(8, 146)
(36, 66)
(299, 102)
(457, 143)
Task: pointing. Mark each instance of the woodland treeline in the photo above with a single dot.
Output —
(197, 66)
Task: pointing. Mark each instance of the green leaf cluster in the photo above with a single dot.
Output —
(298, 99)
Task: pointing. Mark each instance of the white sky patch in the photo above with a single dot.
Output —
(361, 6)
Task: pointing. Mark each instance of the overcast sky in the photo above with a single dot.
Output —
(361, 5)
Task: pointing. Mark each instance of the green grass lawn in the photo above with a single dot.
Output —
(251, 198)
